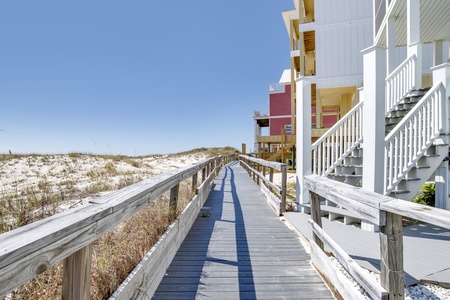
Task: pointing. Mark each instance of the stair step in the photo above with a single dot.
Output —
(398, 192)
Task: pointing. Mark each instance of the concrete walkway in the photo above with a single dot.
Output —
(240, 250)
(426, 248)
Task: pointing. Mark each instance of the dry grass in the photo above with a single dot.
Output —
(115, 254)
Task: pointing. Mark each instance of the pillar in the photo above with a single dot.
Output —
(390, 44)
(413, 36)
(303, 135)
(374, 62)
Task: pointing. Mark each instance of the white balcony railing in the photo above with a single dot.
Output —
(338, 142)
(411, 138)
(401, 81)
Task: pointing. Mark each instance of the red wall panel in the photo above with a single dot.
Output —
(276, 125)
(280, 103)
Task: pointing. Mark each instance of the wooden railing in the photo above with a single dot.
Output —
(381, 210)
(258, 169)
(400, 82)
(30, 250)
(410, 139)
(338, 142)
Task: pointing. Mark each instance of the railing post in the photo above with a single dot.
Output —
(173, 204)
(391, 245)
(194, 183)
(316, 215)
(271, 175)
(258, 167)
(203, 175)
(77, 275)
(283, 189)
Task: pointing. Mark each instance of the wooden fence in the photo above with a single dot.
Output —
(30, 250)
(381, 210)
(257, 168)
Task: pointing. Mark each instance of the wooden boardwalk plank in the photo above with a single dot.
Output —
(241, 250)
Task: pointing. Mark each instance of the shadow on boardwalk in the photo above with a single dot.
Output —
(240, 251)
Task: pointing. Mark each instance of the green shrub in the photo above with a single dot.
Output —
(426, 195)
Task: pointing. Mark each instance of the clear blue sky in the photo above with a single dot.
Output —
(136, 77)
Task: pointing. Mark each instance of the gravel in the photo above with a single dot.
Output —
(414, 292)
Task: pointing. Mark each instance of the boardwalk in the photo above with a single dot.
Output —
(241, 250)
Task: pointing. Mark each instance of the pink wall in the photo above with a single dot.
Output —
(280, 103)
(277, 124)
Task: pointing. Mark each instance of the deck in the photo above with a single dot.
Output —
(239, 249)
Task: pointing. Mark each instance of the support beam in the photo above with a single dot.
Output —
(441, 186)
(77, 275)
(413, 36)
(390, 32)
(374, 122)
(391, 245)
(303, 138)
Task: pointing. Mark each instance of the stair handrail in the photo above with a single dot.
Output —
(338, 142)
(400, 83)
(410, 139)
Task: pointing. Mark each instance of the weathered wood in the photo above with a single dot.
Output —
(262, 162)
(173, 201)
(26, 251)
(194, 183)
(332, 274)
(364, 203)
(391, 244)
(283, 189)
(271, 175)
(269, 183)
(273, 200)
(316, 216)
(77, 275)
(424, 213)
(372, 287)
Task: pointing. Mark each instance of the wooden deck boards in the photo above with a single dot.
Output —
(240, 251)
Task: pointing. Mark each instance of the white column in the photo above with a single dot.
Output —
(303, 85)
(413, 36)
(390, 44)
(374, 60)
(441, 184)
(437, 55)
(441, 73)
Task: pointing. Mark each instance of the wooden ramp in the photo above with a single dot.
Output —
(239, 249)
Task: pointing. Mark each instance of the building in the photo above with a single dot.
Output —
(396, 137)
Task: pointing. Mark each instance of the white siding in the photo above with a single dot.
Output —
(336, 11)
(338, 49)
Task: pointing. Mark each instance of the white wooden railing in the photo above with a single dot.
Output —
(413, 136)
(401, 81)
(338, 142)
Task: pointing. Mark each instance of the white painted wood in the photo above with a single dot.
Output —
(328, 152)
(418, 129)
(370, 285)
(400, 83)
(303, 91)
(374, 121)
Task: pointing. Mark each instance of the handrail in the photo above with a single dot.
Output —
(28, 251)
(379, 209)
(338, 142)
(400, 83)
(254, 165)
(410, 139)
